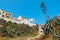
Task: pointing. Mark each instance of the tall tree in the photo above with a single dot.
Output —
(44, 9)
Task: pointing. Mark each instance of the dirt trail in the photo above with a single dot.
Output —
(38, 37)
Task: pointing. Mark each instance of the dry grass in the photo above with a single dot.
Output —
(4, 38)
(47, 37)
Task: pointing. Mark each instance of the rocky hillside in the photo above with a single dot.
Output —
(9, 29)
(52, 28)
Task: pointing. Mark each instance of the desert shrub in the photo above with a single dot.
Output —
(11, 34)
(10, 29)
(4, 31)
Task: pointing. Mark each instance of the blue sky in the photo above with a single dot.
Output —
(31, 8)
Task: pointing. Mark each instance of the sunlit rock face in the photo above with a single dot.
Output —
(5, 14)
(20, 18)
(58, 17)
(40, 28)
(57, 20)
(29, 22)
